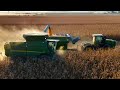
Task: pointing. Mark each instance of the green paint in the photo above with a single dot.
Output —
(35, 45)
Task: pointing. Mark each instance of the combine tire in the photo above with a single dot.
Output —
(106, 47)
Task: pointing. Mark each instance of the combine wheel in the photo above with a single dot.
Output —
(106, 47)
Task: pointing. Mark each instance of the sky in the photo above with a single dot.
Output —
(44, 12)
(49, 11)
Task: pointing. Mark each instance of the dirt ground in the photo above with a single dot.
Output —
(87, 19)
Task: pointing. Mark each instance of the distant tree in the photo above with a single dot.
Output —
(113, 11)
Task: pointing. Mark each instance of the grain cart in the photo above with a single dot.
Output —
(71, 38)
(99, 41)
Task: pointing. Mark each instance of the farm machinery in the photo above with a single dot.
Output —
(99, 42)
(47, 43)
(38, 44)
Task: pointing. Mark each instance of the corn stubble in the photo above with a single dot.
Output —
(100, 64)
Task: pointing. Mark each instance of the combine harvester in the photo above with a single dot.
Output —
(38, 44)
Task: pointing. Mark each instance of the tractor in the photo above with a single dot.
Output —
(99, 42)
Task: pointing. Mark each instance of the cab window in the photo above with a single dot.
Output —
(99, 39)
(51, 43)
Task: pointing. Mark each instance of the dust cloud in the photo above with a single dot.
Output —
(13, 34)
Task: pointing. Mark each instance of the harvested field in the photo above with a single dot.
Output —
(101, 64)
(75, 65)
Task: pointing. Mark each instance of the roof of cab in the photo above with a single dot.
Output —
(53, 40)
(35, 34)
(97, 35)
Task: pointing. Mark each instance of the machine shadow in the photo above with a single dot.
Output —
(41, 68)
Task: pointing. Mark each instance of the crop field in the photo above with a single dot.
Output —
(100, 64)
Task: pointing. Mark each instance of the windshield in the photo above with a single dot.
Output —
(99, 39)
(52, 45)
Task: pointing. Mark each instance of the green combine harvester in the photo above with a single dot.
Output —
(35, 45)
(38, 44)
